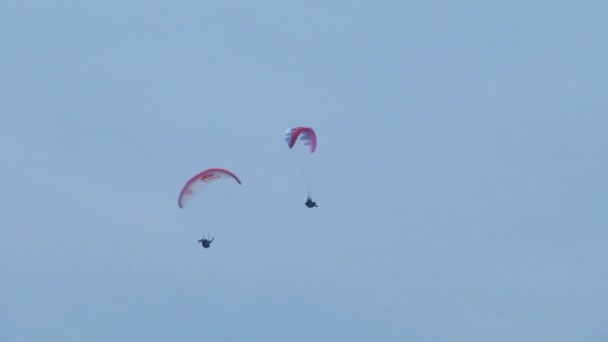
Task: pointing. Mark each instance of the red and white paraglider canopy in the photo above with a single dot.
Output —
(305, 134)
(200, 180)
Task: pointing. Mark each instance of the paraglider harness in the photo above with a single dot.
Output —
(309, 203)
(206, 242)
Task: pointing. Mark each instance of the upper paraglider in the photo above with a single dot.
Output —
(197, 182)
(305, 134)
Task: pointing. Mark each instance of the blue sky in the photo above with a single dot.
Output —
(461, 172)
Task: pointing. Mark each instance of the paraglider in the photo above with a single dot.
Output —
(309, 203)
(206, 242)
(195, 184)
(308, 139)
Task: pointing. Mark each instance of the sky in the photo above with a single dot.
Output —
(461, 172)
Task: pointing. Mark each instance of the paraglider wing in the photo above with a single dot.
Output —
(197, 182)
(305, 134)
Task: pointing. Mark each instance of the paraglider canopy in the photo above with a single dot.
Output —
(200, 180)
(306, 134)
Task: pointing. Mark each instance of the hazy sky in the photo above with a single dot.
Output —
(461, 172)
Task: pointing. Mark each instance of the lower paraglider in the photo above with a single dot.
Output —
(199, 182)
